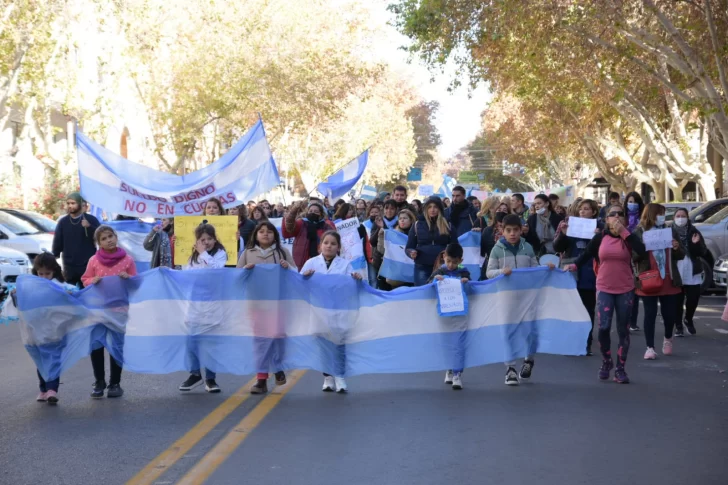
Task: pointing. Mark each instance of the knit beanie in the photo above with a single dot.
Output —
(76, 197)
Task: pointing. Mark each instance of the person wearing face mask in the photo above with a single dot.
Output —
(658, 279)
(571, 248)
(691, 271)
(542, 226)
(307, 230)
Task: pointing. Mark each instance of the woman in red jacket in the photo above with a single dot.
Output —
(307, 230)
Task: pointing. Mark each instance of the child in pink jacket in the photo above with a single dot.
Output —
(109, 260)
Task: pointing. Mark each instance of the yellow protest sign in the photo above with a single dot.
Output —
(226, 228)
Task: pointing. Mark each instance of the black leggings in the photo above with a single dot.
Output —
(589, 300)
(97, 362)
(690, 297)
(667, 307)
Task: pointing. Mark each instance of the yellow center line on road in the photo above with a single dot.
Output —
(150, 473)
(221, 451)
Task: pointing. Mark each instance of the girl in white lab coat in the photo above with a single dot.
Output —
(329, 262)
(208, 253)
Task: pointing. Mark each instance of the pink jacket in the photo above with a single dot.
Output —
(95, 268)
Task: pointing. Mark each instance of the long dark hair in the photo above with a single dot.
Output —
(48, 261)
(252, 242)
(638, 199)
(208, 229)
(343, 210)
(216, 201)
(545, 198)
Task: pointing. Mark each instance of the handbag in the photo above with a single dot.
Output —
(650, 281)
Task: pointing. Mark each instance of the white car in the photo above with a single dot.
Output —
(15, 233)
(12, 264)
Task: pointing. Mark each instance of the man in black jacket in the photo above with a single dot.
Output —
(74, 239)
(461, 214)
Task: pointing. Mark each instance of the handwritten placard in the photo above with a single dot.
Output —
(657, 239)
(451, 299)
(581, 228)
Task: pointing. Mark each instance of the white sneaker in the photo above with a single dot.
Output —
(448, 377)
(457, 381)
(329, 385)
(340, 384)
(650, 354)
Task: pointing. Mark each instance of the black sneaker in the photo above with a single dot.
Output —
(192, 381)
(114, 390)
(526, 369)
(691, 327)
(679, 332)
(211, 386)
(280, 378)
(634, 328)
(260, 387)
(99, 388)
(511, 377)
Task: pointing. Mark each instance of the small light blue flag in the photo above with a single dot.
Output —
(448, 183)
(368, 192)
(341, 182)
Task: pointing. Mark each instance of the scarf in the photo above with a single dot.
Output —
(312, 229)
(165, 250)
(545, 231)
(682, 233)
(266, 252)
(633, 219)
(659, 255)
(456, 209)
(110, 259)
(390, 223)
(511, 247)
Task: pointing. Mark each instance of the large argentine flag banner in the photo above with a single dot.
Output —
(342, 181)
(245, 321)
(124, 187)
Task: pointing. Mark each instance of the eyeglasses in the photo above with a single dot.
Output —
(616, 214)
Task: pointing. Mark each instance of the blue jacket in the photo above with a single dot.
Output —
(572, 248)
(428, 243)
(466, 220)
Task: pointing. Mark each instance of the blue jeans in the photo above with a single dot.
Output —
(422, 274)
(372, 275)
(196, 369)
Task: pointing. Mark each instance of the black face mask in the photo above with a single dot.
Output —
(314, 217)
(372, 218)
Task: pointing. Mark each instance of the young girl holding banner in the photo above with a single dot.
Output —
(207, 254)
(329, 263)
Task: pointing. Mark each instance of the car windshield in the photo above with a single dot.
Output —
(693, 213)
(17, 226)
(717, 217)
(48, 224)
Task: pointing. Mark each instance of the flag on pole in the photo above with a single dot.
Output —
(368, 192)
(448, 183)
(342, 181)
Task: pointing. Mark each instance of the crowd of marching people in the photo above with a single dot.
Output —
(613, 269)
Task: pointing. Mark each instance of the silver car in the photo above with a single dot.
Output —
(715, 232)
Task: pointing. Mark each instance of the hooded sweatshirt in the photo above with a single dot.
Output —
(512, 256)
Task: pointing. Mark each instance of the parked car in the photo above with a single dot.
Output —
(715, 232)
(23, 236)
(703, 212)
(720, 272)
(12, 264)
(45, 224)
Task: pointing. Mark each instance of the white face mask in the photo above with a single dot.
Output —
(660, 220)
(541, 211)
(681, 221)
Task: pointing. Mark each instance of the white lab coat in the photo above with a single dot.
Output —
(338, 266)
(207, 261)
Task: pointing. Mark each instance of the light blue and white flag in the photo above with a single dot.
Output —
(97, 212)
(369, 226)
(124, 187)
(448, 183)
(241, 322)
(470, 241)
(342, 181)
(396, 265)
(368, 192)
(131, 238)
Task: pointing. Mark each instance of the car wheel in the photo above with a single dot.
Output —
(708, 282)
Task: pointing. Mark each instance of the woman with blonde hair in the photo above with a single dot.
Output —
(428, 238)
(487, 210)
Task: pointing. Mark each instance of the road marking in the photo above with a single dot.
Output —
(720, 330)
(221, 451)
(149, 474)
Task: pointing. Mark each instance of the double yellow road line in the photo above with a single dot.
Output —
(225, 447)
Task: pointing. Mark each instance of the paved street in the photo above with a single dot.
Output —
(669, 426)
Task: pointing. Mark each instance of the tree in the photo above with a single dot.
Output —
(639, 81)
(426, 136)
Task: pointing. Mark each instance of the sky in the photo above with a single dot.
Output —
(458, 119)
